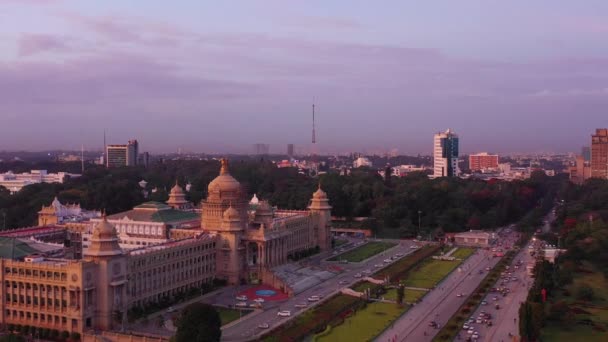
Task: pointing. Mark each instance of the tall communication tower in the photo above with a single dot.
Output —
(314, 170)
(314, 136)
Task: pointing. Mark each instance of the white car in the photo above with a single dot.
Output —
(242, 298)
(379, 265)
(264, 326)
(171, 309)
(388, 261)
(465, 327)
(314, 298)
(241, 304)
(358, 275)
(413, 247)
(301, 305)
(475, 335)
(483, 302)
(471, 331)
(478, 321)
(284, 313)
(460, 295)
(344, 282)
(398, 255)
(259, 300)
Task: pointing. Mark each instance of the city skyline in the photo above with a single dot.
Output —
(382, 77)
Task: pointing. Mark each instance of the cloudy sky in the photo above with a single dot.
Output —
(219, 76)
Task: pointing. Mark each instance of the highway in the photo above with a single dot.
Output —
(248, 328)
(441, 303)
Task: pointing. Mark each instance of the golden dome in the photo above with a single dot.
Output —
(224, 182)
(104, 230)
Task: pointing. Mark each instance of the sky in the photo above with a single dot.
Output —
(220, 76)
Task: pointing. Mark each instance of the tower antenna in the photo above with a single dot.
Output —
(314, 136)
(82, 158)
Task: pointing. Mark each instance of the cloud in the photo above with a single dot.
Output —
(31, 44)
(324, 22)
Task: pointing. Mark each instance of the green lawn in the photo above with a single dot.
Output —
(361, 287)
(365, 324)
(411, 296)
(429, 273)
(230, 315)
(463, 253)
(339, 242)
(363, 252)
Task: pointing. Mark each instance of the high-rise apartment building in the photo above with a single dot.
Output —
(586, 153)
(122, 155)
(261, 149)
(290, 151)
(445, 161)
(483, 161)
(599, 153)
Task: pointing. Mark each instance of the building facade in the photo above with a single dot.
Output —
(153, 253)
(599, 153)
(445, 154)
(16, 181)
(483, 161)
(122, 155)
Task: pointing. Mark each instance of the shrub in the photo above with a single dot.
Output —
(54, 334)
(64, 335)
(585, 292)
(74, 336)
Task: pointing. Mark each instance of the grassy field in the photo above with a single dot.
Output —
(429, 273)
(231, 315)
(365, 324)
(597, 312)
(363, 252)
(411, 296)
(339, 242)
(463, 253)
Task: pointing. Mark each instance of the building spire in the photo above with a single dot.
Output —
(224, 168)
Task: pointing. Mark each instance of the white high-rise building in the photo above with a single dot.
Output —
(445, 152)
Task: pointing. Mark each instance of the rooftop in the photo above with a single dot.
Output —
(155, 212)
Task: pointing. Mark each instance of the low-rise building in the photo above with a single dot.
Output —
(474, 238)
(16, 181)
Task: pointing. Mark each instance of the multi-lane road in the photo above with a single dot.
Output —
(441, 303)
(248, 328)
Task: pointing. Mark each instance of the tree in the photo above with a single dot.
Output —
(585, 292)
(199, 322)
(400, 294)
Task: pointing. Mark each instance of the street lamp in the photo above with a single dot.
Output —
(419, 213)
(4, 221)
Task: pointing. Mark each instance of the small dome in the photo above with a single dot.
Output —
(104, 230)
(254, 200)
(231, 214)
(319, 194)
(263, 208)
(177, 190)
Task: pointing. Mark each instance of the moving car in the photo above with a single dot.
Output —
(259, 300)
(264, 326)
(284, 313)
(241, 304)
(358, 275)
(314, 298)
(344, 282)
(241, 298)
(301, 305)
(171, 309)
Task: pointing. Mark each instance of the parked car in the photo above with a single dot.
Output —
(284, 313)
(241, 304)
(259, 300)
(264, 326)
(242, 298)
(314, 298)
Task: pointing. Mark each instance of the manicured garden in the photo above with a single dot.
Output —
(463, 253)
(411, 296)
(332, 312)
(364, 252)
(430, 272)
(365, 324)
(400, 268)
(230, 315)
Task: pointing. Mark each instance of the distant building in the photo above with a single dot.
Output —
(445, 153)
(57, 213)
(290, 149)
(362, 161)
(483, 161)
(144, 159)
(261, 149)
(580, 171)
(16, 181)
(122, 155)
(599, 153)
(586, 153)
(475, 238)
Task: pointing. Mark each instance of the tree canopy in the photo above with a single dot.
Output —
(198, 322)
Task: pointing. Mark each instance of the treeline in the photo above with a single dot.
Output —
(394, 204)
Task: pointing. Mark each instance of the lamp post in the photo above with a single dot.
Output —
(4, 220)
(419, 213)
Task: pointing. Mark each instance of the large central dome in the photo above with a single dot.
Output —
(224, 182)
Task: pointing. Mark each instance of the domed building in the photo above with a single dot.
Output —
(251, 244)
(177, 198)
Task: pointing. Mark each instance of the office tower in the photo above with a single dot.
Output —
(483, 161)
(261, 149)
(144, 159)
(586, 153)
(445, 154)
(290, 151)
(599, 153)
(122, 155)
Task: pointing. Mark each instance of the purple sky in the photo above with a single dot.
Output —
(219, 76)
